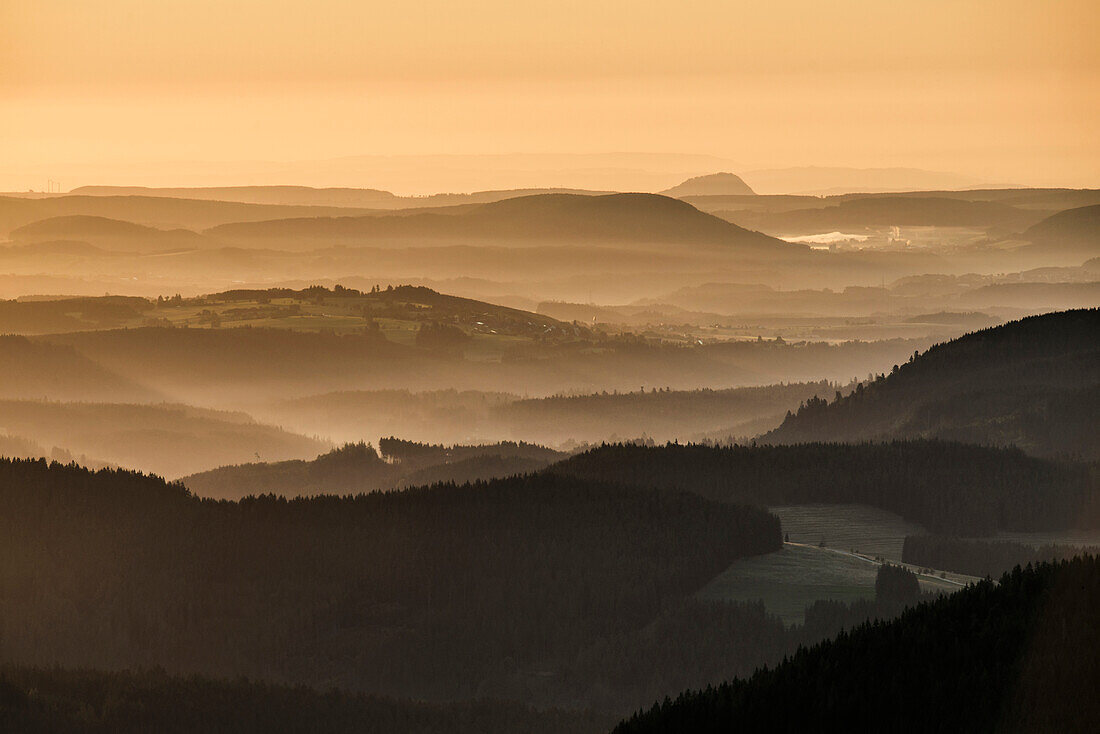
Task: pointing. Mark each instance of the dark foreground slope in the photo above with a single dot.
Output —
(1034, 383)
(949, 488)
(446, 592)
(55, 701)
(1018, 656)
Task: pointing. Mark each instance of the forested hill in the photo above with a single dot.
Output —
(1077, 230)
(948, 487)
(1034, 383)
(541, 218)
(495, 589)
(56, 701)
(357, 468)
(1018, 656)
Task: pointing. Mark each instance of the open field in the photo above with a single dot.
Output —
(856, 528)
(844, 569)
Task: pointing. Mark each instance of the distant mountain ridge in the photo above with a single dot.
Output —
(715, 184)
(325, 197)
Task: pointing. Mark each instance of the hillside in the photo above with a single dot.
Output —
(888, 211)
(1076, 230)
(1034, 383)
(639, 219)
(277, 195)
(357, 468)
(151, 211)
(1017, 656)
(399, 312)
(30, 369)
(500, 589)
(165, 438)
(321, 197)
(715, 184)
(659, 414)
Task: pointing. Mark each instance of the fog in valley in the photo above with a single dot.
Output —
(437, 416)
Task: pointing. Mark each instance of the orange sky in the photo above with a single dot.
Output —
(1000, 90)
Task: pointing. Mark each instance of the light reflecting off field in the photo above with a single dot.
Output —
(856, 528)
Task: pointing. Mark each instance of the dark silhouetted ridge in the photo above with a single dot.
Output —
(1034, 383)
(1017, 656)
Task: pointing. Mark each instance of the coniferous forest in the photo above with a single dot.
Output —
(353, 378)
(1015, 655)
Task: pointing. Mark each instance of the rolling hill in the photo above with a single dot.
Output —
(494, 589)
(1034, 383)
(274, 195)
(165, 438)
(1016, 656)
(30, 369)
(107, 234)
(638, 219)
(1076, 230)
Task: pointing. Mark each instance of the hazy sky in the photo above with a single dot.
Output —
(1002, 90)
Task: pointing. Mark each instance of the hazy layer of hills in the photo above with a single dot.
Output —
(320, 197)
(551, 246)
(358, 468)
(1015, 656)
(465, 561)
(1074, 229)
(890, 211)
(451, 415)
(169, 439)
(33, 370)
(638, 219)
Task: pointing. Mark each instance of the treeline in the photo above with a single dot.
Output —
(1018, 656)
(949, 488)
(492, 589)
(358, 467)
(59, 701)
(981, 557)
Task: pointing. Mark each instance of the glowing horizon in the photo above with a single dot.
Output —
(113, 92)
